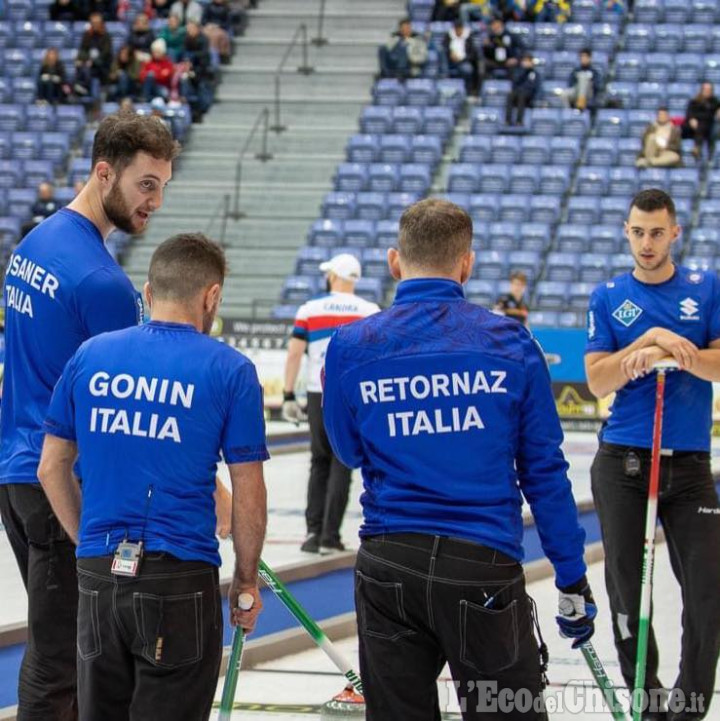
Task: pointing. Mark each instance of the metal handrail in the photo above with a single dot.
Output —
(263, 118)
(220, 212)
(320, 39)
(305, 69)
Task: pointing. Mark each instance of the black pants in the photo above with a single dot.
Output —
(148, 647)
(46, 559)
(420, 602)
(519, 100)
(690, 515)
(329, 482)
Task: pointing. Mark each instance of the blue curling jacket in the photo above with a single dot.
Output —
(448, 410)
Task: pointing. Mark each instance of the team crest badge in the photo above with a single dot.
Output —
(627, 313)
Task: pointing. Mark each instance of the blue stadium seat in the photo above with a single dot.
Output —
(438, 121)
(668, 38)
(704, 12)
(684, 182)
(698, 263)
(12, 117)
(64, 195)
(611, 123)
(713, 184)
(651, 95)
(387, 233)
(415, 178)
(389, 91)
(28, 35)
(494, 178)
(613, 211)
(451, 94)
(603, 37)
(553, 93)
(561, 266)
(421, 91)
(683, 209)
(705, 242)
(606, 239)
(585, 11)
(593, 268)
(534, 151)
(622, 93)
(563, 63)
(9, 230)
(565, 151)
(38, 171)
(505, 149)
(696, 38)
(11, 174)
(621, 263)
(57, 35)
(298, 288)
(654, 178)
(475, 149)
(374, 263)
(495, 92)
(363, 148)
(547, 36)
(338, 206)
(601, 151)
(394, 148)
(550, 295)
(574, 36)
(711, 70)
(575, 123)
(554, 179)
(628, 149)
(420, 10)
(622, 182)
(351, 177)
(629, 67)
(40, 118)
(398, 202)
(462, 200)
(426, 149)
(484, 208)
(545, 121)
(714, 33)
(659, 67)
(20, 201)
(514, 208)
(491, 265)
(583, 211)
(309, 258)
(640, 37)
(464, 178)
(23, 90)
(677, 12)
(591, 180)
(26, 146)
(6, 34)
(486, 121)
(376, 120)
(688, 68)
(572, 238)
(638, 120)
(18, 9)
(503, 236)
(481, 292)
(524, 33)
(70, 119)
(370, 206)
(579, 296)
(535, 236)
(5, 145)
(544, 319)
(526, 261)
(524, 179)
(383, 177)
(545, 209)
(678, 95)
(325, 232)
(649, 11)
(407, 120)
(359, 233)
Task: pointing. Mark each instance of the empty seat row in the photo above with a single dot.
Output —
(556, 319)
(391, 148)
(570, 267)
(526, 149)
(21, 173)
(703, 12)
(672, 38)
(623, 151)
(666, 67)
(373, 260)
(589, 210)
(367, 205)
(525, 179)
(331, 233)
(623, 123)
(64, 118)
(433, 120)
(537, 121)
(420, 92)
(489, 208)
(384, 177)
(498, 264)
(652, 95)
(625, 182)
(558, 64)
(607, 239)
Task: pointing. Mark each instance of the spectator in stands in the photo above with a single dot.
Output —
(461, 56)
(197, 82)
(52, 86)
(479, 10)
(95, 56)
(501, 50)
(107, 8)
(141, 36)
(217, 25)
(700, 117)
(661, 144)
(187, 11)
(513, 302)
(446, 11)
(405, 53)
(525, 89)
(549, 11)
(583, 88)
(66, 11)
(161, 8)
(125, 74)
(156, 75)
(42, 208)
(174, 36)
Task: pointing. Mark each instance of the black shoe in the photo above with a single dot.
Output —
(311, 544)
(328, 547)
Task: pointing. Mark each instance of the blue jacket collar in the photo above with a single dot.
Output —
(428, 289)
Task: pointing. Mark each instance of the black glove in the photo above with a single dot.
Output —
(577, 611)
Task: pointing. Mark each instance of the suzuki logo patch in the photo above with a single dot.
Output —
(689, 309)
(627, 313)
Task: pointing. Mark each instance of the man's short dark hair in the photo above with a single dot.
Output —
(434, 234)
(121, 136)
(654, 199)
(184, 265)
(586, 51)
